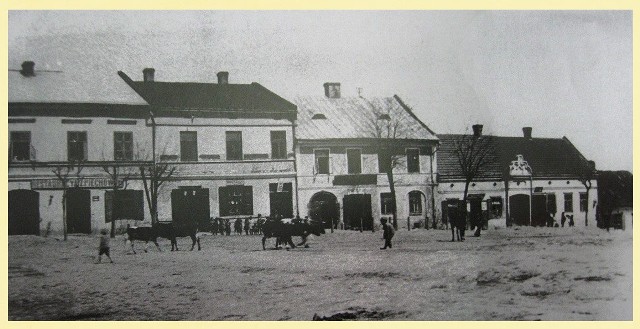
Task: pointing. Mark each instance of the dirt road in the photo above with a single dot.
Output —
(507, 274)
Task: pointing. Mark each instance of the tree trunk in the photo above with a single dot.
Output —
(393, 198)
(586, 210)
(64, 214)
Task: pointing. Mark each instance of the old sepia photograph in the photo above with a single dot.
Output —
(325, 165)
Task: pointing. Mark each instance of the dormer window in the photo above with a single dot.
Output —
(384, 117)
(319, 116)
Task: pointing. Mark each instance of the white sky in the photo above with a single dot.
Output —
(565, 73)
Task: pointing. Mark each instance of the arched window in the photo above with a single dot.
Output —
(415, 203)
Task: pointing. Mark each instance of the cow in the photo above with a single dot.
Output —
(142, 233)
(166, 230)
(284, 230)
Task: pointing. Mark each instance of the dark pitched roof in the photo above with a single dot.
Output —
(548, 157)
(349, 117)
(615, 188)
(239, 98)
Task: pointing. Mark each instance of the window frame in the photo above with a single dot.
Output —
(184, 150)
(230, 143)
(568, 201)
(384, 208)
(359, 171)
(13, 141)
(409, 166)
(412, 195)
(584, 204)
(242, 195)
(278, 145)
(85, 148)
(126, 157)
(316, 164)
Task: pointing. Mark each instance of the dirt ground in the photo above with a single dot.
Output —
(506, 274)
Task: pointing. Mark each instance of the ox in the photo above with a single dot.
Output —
(166, 230)
(284, 230)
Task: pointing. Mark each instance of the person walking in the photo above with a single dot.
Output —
(387, 233)
(103, 247)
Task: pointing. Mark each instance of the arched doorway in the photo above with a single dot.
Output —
(417, 203)
(324, 207)
(519, 209)
(24, 212)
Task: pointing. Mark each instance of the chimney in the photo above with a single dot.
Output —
(148, 74)
(332, 89)
(27, 69)
(527, 132)
(223, 78)
(477, 130)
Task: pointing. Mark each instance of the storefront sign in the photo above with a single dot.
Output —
(90, 183)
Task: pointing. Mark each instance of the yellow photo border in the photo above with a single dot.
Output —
(8, 5)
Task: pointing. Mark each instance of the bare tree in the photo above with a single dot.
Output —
(387, 125)
(119, 176)
(153, 176)
(473, 153)
(587, 173)
(65, 173)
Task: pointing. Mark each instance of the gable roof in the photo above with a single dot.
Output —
(64, 87)
(240, 98)
(548, 157)
(351, 117)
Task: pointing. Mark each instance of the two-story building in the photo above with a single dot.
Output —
(231, 146)
(345, 148)
(79, 129)
(524, 180)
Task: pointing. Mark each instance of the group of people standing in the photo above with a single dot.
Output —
(250, 226)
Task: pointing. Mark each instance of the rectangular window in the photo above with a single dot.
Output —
(354, 161)
(551, 203)
(77, 145)
(568, 202)
(234, 145)
(384, 161)
(20, 146)
(386, 204)
(415, 203)
(236, 200)
(123, 146)
(322, 161)
(413, 160)
(188, 146)
(583, 201)
(496, 207)
(278, 145)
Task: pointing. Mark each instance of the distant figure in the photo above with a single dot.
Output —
(571, 223)
(550, 220)
(247, 225)
(220, 226)
(103, 248)
(387, 233)
(562, 219)
(227, 226)
(237, 226)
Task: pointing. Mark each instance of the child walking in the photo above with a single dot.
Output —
(104, 246)
(387, 234)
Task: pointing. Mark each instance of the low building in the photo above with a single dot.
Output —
(231, 146)
(80, 129)
(345, 148)
(523, 180)
(615, 195)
